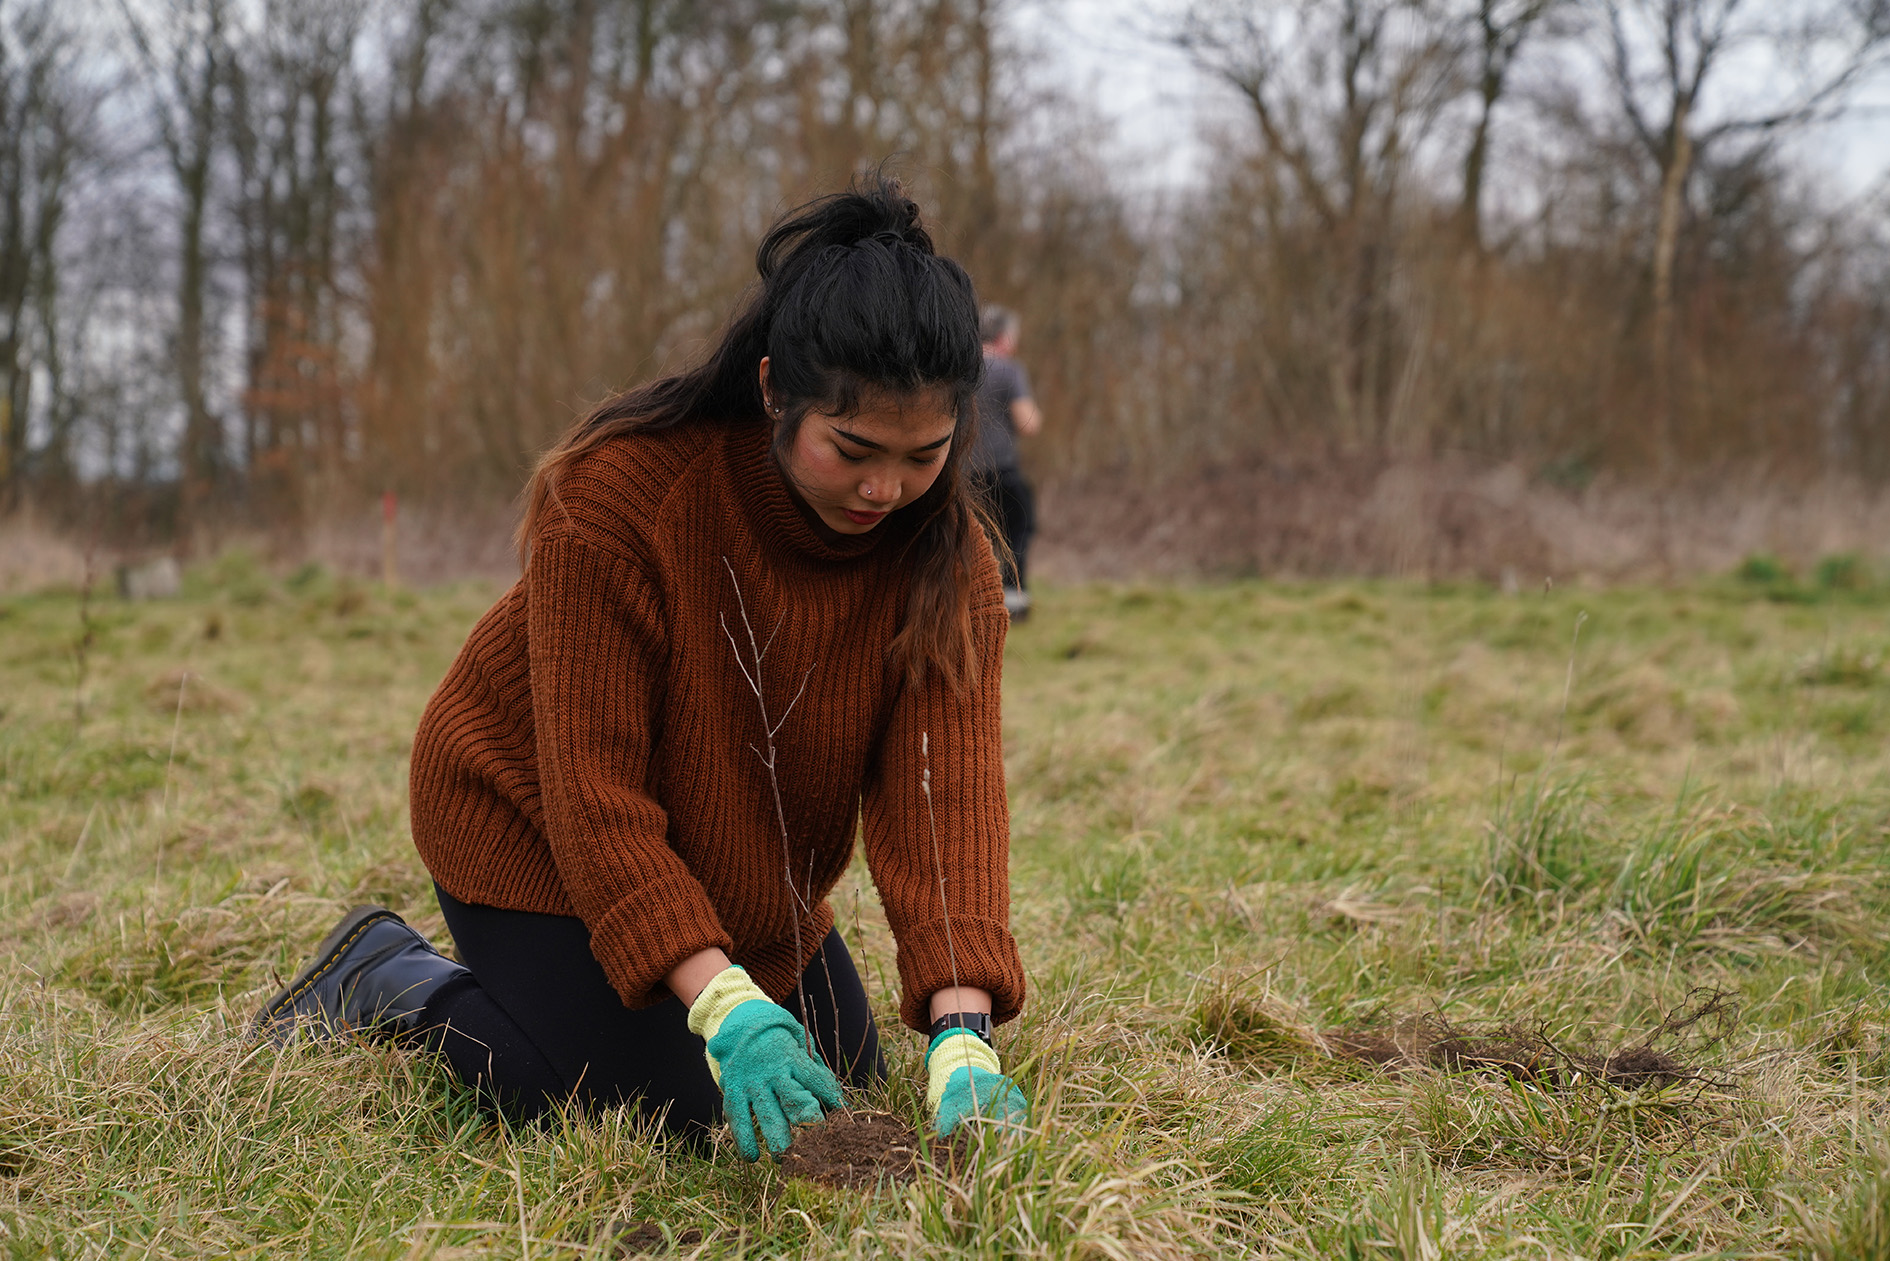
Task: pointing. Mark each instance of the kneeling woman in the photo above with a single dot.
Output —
(757, 606)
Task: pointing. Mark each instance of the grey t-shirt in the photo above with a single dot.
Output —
(1004, 383)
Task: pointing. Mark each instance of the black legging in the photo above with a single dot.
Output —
(1014, 505)
(537, 1022)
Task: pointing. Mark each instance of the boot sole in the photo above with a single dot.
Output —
(271, 1018)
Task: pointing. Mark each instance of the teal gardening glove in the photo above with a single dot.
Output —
(966, 1082)
(757, 1054)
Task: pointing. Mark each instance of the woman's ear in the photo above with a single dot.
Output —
(767, 398)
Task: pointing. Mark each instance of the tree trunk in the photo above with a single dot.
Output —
(983, 182)
(1673, 186)
(198, 469)
(1470, 211)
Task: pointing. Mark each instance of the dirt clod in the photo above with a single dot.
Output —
(641, 1238)
(855, 1149)
(1643, 1066)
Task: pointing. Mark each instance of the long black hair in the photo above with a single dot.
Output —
(852, 298)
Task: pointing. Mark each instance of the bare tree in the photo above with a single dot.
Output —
(1341, 95)
(545, 217)
(1663, 57)
(290, 85)
(1500, 30)
(185, 54)
(404, 136)
(47, 115)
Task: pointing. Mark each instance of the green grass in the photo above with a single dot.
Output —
(1246, 817)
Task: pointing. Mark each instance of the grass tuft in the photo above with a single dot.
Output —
(1856, 1226)
(1539, 840)
(1256, 1029)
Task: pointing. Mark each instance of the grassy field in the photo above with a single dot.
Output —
(1260, 830)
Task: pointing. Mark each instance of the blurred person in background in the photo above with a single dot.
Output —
(1005, 411)
(758, 615)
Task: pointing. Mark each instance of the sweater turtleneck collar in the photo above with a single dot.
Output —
(778, 515)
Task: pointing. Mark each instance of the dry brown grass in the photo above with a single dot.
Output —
(1441, 519)
(1438, 520)
(34, 556)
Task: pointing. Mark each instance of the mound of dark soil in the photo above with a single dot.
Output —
(855, 1149)
(1432, 1042)
(1639, 1066)
(863, 1149)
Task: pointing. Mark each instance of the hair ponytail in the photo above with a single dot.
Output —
(852, 297)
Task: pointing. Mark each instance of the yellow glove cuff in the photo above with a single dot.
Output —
(962, 1050)
(729, 990)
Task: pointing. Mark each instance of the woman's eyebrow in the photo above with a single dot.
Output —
(868, 442)
(856, 439)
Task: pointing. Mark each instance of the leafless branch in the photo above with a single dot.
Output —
(751, 671)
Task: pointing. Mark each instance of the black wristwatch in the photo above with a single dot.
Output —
(979, 1022)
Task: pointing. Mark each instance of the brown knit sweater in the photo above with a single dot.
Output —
(594, 749)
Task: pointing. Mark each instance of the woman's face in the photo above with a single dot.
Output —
(852, 470)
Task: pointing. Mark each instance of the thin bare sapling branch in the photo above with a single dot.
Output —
(938, 874)
(768, 754)
(833, 995)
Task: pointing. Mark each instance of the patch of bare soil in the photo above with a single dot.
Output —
(1666, 1056)
(642, 1238)
(855, 1149)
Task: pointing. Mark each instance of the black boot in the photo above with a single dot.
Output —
(371, 975)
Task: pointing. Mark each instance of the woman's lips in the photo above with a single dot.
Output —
(862, 518)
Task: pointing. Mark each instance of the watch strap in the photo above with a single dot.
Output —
(978, 1022)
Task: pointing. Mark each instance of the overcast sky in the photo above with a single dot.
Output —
(1104, 53)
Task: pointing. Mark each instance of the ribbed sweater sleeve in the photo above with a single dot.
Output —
(597, 648)
(959, 934)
